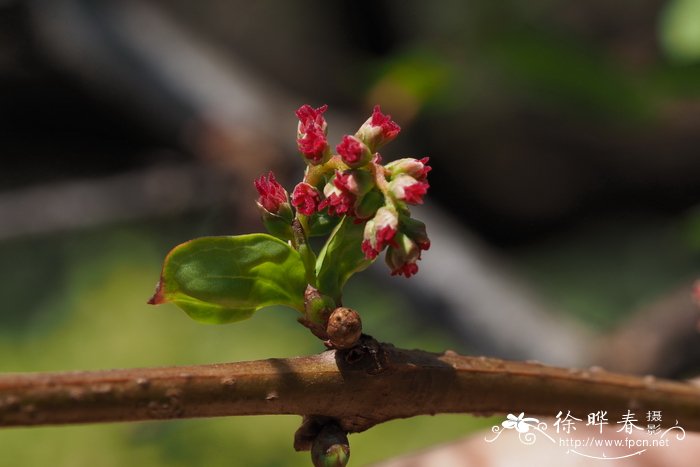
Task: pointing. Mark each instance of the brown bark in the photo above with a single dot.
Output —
(357, 388)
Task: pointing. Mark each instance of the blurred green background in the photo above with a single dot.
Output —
(564, 138)
(94, 316)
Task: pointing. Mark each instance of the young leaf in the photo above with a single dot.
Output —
(226, 279)
(340, 258)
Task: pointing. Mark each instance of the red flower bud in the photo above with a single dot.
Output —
(346, 181)
(415, 230)
(311, 118)
(340, 195)
(408, 189)
(389, 128)
(338, 204)
(305, 198)
(368, 249)
(402, 257)
(311, 133)
(274, 206)
(353, 151)
(272, 194)
(380, 232)
(378, 130)
(313, 145)
(346, 191)
(407, 270)
(415, 168)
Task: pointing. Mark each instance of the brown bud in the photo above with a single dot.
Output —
(344, 328)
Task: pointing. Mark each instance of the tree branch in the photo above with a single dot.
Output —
(358, 388)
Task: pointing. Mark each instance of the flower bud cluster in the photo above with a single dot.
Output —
(353, 182)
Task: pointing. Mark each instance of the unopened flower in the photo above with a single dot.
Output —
(338, 203)
(368, 250)
(310, 117)
(313, 146)
(416, 168)
(346, 181)
(311, 133)
(402, 256)
(407, 270)
(353, 151)
(340, 195)
(378, 130)
(272, 195)
(344, 191)
(306, 198)
(415, 230)
(408, 189)
(379, 232)
(274, 206)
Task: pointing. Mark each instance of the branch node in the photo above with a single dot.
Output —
(368, 352)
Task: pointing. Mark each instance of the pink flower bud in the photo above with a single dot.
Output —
(311, 134)
(346, 181)
(340, 195)
(415, 168)
(346, 192)
(305, 198)
(313, 145)
(408, 189)
(378, 130)
(311, 118)
(380, 232)
(353, 151)
(407, 270)
(274, 206)
(272, 195)
(402, 258)
(338, 203)
(367, 248)
(415, 230)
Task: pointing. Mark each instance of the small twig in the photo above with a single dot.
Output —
(357, 390)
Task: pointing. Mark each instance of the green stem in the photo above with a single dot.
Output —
(377, 171)
(315, 173)
(301, 244)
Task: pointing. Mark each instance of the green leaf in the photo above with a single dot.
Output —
(321, 224)
(226, 279)
(340, 258)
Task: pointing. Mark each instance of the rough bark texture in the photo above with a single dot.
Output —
(358, 388)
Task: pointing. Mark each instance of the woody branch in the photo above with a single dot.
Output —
(358, 390)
